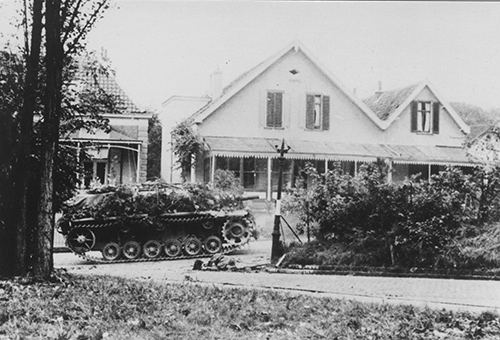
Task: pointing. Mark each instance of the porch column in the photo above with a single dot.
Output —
(355, 168)
(138, 170)
(212, 168)
(429, 174)
(326, 166)
(269, 175)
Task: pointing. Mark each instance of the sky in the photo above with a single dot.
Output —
(164, 48)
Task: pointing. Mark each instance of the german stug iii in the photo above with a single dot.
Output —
(155, 223)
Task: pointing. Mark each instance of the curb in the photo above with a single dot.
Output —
(317, 271)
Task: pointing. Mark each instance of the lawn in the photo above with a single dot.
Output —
(100, 307)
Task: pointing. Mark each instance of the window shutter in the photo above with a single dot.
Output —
(270, 109)
(278, 109)
(414, 112)
(435, 117)
(326, 113)
(309, 112)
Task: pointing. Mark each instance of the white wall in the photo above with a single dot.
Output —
(172, 112)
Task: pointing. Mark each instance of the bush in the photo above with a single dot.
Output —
(410, 225)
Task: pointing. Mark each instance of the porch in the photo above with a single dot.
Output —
(111, 162)
(255, 162)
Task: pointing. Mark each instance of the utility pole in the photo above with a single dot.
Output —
(277, 249)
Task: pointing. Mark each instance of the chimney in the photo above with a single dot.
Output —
(379, 91)
(215, 84)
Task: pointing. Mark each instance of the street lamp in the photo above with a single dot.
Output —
(276, 250)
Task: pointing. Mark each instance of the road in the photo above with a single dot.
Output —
(469, 295)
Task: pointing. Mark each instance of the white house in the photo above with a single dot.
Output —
(292, 96)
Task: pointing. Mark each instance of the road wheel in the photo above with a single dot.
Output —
(152, 249)
(192, 246)
(212, 244)
(236, 231)
(172, 247)
(131, 250)
(111, 251)
(80, 240)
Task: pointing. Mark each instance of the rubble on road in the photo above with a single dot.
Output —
(221, 262)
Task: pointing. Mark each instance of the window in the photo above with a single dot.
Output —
(425, 117)
(94, 172)
(274, 113)
(255, 173)
(317, 112)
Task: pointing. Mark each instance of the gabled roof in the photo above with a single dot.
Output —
(246, 78)
(388, 105)
(382, 109)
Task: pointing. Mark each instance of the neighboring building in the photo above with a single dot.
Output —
(292, 96)
(172, 112)
(485, 147)
(120, 155)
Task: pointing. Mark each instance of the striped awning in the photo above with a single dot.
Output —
(311, 150)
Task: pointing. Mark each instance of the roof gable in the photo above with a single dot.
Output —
(246, 78)
(389, 105)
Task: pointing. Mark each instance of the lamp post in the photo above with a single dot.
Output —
(276, 250)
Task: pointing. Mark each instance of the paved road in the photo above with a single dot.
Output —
(436, 293)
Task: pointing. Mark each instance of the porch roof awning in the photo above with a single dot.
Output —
(311, 150)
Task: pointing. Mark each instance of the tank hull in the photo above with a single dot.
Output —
(164, 237)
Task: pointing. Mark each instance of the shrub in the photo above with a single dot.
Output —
(409, 225)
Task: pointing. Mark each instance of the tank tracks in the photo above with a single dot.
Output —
(226, 248)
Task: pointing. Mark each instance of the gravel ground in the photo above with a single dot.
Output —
(467, 295)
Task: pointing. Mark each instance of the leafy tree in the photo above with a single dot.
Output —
(37, 162)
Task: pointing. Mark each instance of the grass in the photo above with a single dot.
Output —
(111, 308)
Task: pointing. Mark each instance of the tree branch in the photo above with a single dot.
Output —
(71, 23)
(90, 22)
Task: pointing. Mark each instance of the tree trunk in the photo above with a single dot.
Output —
(43, 261)
(22, 167)
(7, 231)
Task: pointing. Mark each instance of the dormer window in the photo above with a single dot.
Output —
(425, 117)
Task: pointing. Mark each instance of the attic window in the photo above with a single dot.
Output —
(293, 71)
(425, 117)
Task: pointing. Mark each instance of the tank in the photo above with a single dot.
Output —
(140, 224)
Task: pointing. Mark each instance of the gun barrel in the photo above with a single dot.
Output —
(248, 198)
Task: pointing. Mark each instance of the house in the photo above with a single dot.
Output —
(118, 156)
(292, 96)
